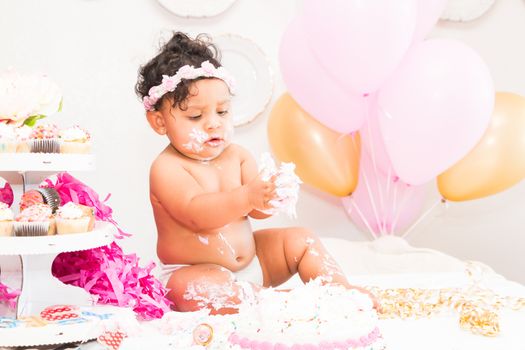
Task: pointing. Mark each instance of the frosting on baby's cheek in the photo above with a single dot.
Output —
(196, 139)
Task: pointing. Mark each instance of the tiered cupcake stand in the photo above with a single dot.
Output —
(25, 262)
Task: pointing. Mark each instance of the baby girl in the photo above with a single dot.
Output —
(203, 188)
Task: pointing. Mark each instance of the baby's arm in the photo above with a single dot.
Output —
(183, 198)
(248, 173)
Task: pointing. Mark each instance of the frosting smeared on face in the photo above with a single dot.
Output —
(196, 141)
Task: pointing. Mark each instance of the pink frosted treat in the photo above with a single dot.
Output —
(44, 139)
(36, 220)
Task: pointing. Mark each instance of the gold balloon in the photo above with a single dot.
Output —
(498, 160)
(324, 158)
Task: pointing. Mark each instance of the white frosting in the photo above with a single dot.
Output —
(7, 133)
(197, 137)
(70, 211)
(6, 214)
(74, 133)
(286, 182)
(308, 314)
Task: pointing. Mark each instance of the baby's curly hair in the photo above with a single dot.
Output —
(179, 51)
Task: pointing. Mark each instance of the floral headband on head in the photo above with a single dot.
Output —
(169, 83)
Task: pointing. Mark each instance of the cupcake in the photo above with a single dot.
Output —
(72, 218)
(74, 140)
(47, 196)
(44, 139)
(23, 133)
(36, 220)
(7, 139)
(6, 220)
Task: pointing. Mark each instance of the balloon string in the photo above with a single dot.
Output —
(394, 209)
(372, 202)
(369, 191)
(387, 195)
(362, 217)
(408, 193)
(421, 218)
(374, 157)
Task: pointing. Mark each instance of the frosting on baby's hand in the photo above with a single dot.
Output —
(286, 182)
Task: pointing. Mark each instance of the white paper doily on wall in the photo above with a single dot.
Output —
(254, 78)
(196, 8)
(465, 10)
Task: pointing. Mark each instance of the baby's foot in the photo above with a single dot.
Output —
(375, 302)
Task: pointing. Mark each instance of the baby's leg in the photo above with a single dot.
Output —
(196, 287)
(286, 251)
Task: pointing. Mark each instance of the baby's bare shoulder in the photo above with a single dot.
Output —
(239, 151)
(165, 162)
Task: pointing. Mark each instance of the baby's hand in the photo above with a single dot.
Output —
(260, 193)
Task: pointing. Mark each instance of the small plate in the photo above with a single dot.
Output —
(465, 10)
(253, 76)
(196, 8)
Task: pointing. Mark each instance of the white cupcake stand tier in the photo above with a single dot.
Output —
(25, 262)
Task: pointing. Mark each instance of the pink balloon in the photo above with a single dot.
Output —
(360, 43)
(428, 12)
(384, 205)
(313, 89)
(435, 108)
(6, 192)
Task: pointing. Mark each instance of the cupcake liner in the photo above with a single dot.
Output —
(67, 226)
(51, 197)
(31, 229)
(6, 228)
(75, 147)
(44, 146)
(23, 147)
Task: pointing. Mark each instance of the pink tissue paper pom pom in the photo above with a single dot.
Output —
(115, 278)
(8, 295)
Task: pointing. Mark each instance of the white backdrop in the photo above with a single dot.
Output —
(93, 48)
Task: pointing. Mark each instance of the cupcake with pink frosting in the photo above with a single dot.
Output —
(74, 140)
(44, 139)
(72, 218)
(36, 220)
(6, 220)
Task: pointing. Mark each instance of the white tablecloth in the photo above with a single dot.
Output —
(392, 263)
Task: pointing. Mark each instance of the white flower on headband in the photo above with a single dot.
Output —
(169, 83)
